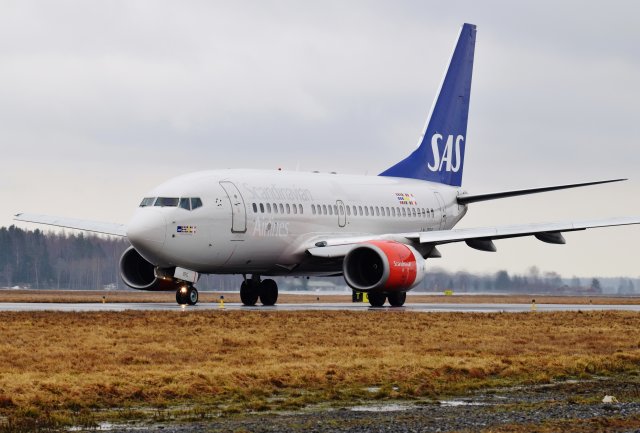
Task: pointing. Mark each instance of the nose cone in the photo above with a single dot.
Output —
(147, 232)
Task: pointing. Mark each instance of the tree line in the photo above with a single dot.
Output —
(75, 261)
(42, 260)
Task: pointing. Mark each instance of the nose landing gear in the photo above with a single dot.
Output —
(252, 289)
(187, 295)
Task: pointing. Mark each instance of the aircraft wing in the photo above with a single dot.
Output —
(73, 223)
(479, 238)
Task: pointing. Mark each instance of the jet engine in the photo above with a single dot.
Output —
(138, 273)
(386, 266)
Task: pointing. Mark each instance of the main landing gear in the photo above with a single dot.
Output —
(254, 288)
(396, 299)
(187, 295)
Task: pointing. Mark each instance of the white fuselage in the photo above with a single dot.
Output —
(262, 222)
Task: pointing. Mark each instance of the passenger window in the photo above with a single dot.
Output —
(404, 212)
(295, 208)
(261, 208)
(348, 211)
(281, 206)
(195, 203)
(341, 210)
(313, 209)
(275, 208)
(324, 209)
(255, 208)
(330, 210)
(366, 211)
(413, 212)
(288, 208)
(360, 211)
(301, 209)
(184, 204)
(393, 211)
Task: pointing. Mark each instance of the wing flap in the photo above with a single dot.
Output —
(74, 223)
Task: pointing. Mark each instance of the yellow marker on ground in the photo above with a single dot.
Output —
(533, 305)
(221, 304)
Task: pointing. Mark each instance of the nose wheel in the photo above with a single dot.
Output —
(187, 295)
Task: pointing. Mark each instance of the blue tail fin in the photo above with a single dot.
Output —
(440, 156)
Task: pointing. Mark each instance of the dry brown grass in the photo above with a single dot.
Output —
(68, 363)
(82, 296)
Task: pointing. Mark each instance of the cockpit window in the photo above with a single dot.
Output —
(147, 201)
(184, 203)
(196, 203)
(167, 201)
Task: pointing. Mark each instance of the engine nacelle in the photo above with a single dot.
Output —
(138, 273)
(386, 266)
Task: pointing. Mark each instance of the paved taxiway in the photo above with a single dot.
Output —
(418, 308)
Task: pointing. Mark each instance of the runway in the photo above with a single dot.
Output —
(409, 307)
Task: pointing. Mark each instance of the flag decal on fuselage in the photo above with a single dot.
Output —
(406, 198)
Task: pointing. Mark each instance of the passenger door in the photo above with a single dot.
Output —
(441, 211)
(342, 213)
(238, 209)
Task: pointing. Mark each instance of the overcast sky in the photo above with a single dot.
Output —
(102, 100)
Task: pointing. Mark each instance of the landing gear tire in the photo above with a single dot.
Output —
(192, 295)
(180, 298)
(397, 299)
(268, 292)
(248, 294)
(187, 296)
(377, 299)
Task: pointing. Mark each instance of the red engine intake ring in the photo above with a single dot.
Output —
(381, 265)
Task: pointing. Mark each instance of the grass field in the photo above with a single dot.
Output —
(77, 368)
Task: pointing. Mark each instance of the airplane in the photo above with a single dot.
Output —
(376, 231)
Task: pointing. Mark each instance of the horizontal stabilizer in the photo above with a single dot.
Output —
(466, 199)
(73, 223)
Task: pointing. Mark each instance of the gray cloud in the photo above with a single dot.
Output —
(100, 101)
